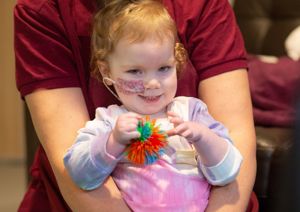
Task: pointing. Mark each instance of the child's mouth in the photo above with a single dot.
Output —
(150, 98)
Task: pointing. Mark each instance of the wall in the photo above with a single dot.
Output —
(11, 107)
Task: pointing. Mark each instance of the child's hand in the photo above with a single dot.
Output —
(190, 130)
(210, 147)
(126, 128)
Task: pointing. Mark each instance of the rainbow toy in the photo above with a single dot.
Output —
(149, 146)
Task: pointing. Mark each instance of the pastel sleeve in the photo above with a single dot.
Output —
(227, 169)
(87, 161)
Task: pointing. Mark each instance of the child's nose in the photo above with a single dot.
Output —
(152, 83)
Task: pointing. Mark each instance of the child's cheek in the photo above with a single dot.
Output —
(130, 86)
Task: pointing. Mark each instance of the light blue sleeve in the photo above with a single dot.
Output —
(87, 160)
(228, 168)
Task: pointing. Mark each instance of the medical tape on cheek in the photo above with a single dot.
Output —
(130, 86)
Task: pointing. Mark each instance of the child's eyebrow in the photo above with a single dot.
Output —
(131, 66)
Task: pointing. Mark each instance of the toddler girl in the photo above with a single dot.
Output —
(135, 54)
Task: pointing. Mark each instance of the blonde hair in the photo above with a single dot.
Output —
(134, 20)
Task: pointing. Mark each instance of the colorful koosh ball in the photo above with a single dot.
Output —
(149, 146)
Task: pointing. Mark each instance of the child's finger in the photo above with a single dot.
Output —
(171, 132)
(133, 135)
(131, 119)
(175, 120)
(131, 127)
(134, 115)
(187, 134)
(172, 114)
(180, 128)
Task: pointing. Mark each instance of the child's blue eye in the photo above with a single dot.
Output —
(134, 71)
(164, 68)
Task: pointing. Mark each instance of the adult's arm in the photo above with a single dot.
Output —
(57, 114)
(228, 99)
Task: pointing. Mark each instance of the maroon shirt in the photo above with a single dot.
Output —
(52, 46)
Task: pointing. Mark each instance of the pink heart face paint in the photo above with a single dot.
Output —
(125, 86)
(130, 86)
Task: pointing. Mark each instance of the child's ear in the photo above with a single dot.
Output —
(104, 70)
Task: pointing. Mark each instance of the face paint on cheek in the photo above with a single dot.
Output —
(130, 86)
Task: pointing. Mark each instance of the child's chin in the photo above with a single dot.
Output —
(152, 112)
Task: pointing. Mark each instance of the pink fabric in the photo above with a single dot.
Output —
(160, 187)
(274, 89)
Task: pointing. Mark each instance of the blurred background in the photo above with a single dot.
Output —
(12, 139)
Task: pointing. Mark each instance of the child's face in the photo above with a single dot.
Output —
(149, 64)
